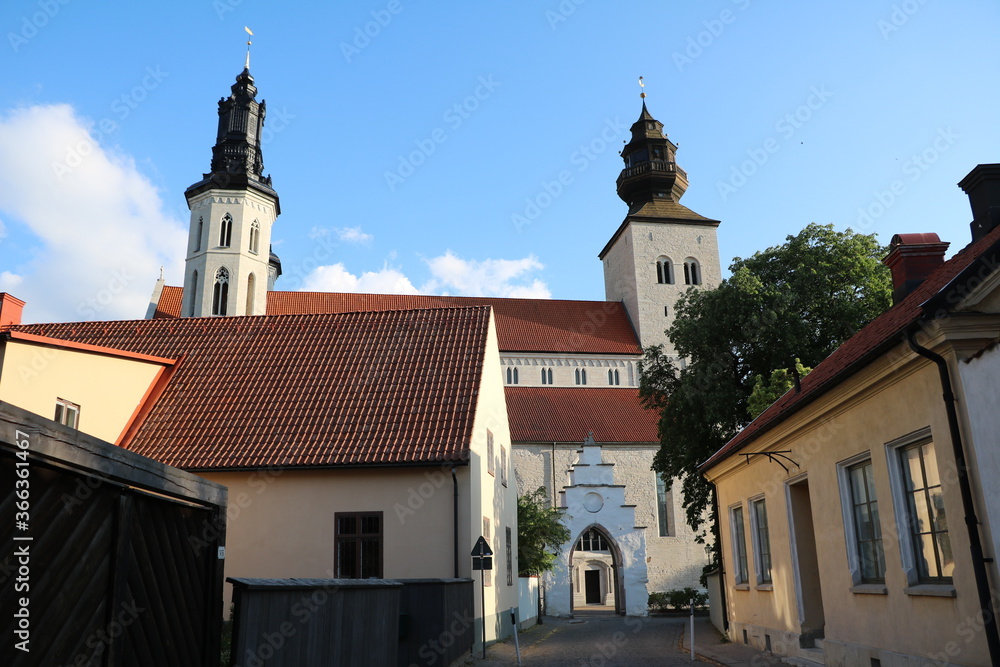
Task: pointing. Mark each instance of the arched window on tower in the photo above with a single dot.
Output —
(226, 231)
(254, 237)
(220, 293)
(194, 294)
(251, 288)
(664, 271)
(200, 229)
(692, 272)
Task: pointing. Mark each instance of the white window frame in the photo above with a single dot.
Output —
(907, 548)
(739, 559)
(666, 505)
(755, 541)
(850, 529)
(67, 413)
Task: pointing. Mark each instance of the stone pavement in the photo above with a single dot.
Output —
(606, 640)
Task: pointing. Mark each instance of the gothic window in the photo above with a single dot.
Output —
(511, 376)
(251, 288)
(226, 231)
(692, 272)
(546, 376)
(194, 293)
(254, 237)
(200, 230)
(665, 271)
(220, 294)
(613, 377)
(592, 540)
(581, 376)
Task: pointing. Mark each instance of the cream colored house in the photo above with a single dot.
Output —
(354, 445)
(860, 514)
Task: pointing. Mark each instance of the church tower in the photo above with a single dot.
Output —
(230, 266)
(661, 248)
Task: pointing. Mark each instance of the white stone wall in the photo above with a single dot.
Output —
(564, 367)
(244, 207)
(630, 273)
(672, 562)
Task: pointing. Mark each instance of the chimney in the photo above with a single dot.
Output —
(983, 187)
(10, 309)
(911, 258)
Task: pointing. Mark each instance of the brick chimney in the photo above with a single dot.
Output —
(911, 258)
(983, 187)
(10, 309)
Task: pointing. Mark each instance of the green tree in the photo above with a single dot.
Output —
(768, 391)
(796, 301)
(540, 533)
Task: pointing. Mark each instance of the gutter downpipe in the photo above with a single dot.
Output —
(454, 482)
(971, 520)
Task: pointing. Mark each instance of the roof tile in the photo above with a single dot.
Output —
(568, 414)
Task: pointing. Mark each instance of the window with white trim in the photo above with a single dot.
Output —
(226, 231)
(761, 540)
(198, 233)
(67, 413)
(862, 528)
(581, 376)
(511, 375)
(220, 292)
(546, 376)
(254, 236)
(737, 531)
(613, 377)
(925, 543)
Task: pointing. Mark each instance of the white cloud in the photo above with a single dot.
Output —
(488, 277)
(354, 235)
(449, 275)
(8, 281)
(335, 278)
(100, 229)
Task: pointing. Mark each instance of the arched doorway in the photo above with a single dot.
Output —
(594, 566)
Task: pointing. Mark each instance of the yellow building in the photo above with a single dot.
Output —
(859, 514)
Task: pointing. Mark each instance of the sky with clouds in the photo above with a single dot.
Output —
(472, 149)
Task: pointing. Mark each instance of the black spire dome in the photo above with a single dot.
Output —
(237, 161)
(651, 170)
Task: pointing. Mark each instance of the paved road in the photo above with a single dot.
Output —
(595, 641)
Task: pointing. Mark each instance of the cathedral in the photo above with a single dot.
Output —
(570, 368)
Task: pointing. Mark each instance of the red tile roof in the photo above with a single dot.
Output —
(880, 334)
(523, 325)
(568, 414)
(369, 388)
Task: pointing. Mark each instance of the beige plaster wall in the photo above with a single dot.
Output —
(108, 389)
(894, 397)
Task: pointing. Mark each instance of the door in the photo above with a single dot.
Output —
(808, 585)
(592, 582)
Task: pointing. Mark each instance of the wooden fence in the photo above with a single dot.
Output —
(372, 622)
(116, 556)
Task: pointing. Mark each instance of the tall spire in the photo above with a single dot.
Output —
(237, 160)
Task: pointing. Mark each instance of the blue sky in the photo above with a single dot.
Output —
(414, 144)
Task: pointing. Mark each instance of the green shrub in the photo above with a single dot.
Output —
(678, 600)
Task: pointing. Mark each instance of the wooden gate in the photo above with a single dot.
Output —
(108, 558)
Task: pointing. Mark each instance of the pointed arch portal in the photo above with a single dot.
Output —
(595, 563)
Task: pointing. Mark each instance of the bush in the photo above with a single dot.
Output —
(677, 600)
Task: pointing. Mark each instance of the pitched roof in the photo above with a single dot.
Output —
(568, 414)
(305, 390)
(879, 335)
(523, 325)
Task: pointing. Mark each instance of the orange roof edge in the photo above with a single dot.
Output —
(149, 399)
(84, 347)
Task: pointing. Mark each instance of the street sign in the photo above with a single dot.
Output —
(485, 563)
(482, 548)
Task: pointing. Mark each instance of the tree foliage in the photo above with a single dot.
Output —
(767, 391)
(540, 533)
(796, 301)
